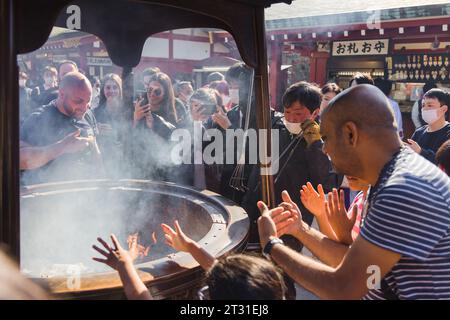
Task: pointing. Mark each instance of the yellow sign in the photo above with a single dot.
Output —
(70, 43)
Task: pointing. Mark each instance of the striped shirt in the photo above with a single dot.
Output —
(409, 213)
(359, 203)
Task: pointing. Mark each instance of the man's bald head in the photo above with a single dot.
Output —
(74, 97)
(365, 105)
(75, 80)
(358, 129)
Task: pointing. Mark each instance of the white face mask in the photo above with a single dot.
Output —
(294, 128)
(234, 96)
(430, 116)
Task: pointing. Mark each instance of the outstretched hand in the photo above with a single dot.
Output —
(266, 225)
(135, 249)
(314, 201)
(221, 119)
(289, 220)
(140, 110)
(176, 238)
(73, 143)
(338, 217)
(115, 256)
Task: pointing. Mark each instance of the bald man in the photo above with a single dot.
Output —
(57, 142)
(66, 67)
(402, 251)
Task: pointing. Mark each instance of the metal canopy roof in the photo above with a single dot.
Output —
(125, 25)
(319, 13)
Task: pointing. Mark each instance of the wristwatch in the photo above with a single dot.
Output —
(269, 245)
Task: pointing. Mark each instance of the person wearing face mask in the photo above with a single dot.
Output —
(427, 139)
(301, 159)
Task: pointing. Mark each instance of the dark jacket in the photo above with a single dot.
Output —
(150, 154)
(299, 164)
(430, 142)
(237, 117)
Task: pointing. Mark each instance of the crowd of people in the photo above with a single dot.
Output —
(329, 138)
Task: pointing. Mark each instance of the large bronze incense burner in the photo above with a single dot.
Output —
(62, 220)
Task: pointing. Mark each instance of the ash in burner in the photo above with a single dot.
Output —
(58, 228)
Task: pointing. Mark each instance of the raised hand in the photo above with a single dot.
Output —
(288, 220)
(73, 143)
(266, 226)
(176, 238)
(314, 201)
(135, 249)
(140, 111)
(115, 256)
(221, 119)
(338, 218)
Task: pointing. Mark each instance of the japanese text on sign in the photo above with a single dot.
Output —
(360, 47)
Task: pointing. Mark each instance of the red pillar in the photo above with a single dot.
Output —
(274, 72)
(318, 68)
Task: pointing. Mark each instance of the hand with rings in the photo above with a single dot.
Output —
(115, 256)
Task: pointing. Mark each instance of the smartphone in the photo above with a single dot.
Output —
(142, 95)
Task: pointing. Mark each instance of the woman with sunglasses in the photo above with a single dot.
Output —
(160, 100)
(153, 124)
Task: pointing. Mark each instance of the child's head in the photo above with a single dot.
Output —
(435, 105)
(245, 277)
(301, 102)
(360, 78)
(443, 157)
(329, 91)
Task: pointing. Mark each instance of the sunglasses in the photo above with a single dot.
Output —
(156, 92)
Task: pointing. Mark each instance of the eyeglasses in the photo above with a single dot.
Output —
(154, 91)
(203, 293)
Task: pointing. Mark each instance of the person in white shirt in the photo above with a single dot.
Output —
(386, 87)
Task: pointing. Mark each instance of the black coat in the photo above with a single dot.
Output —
(299, 165)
